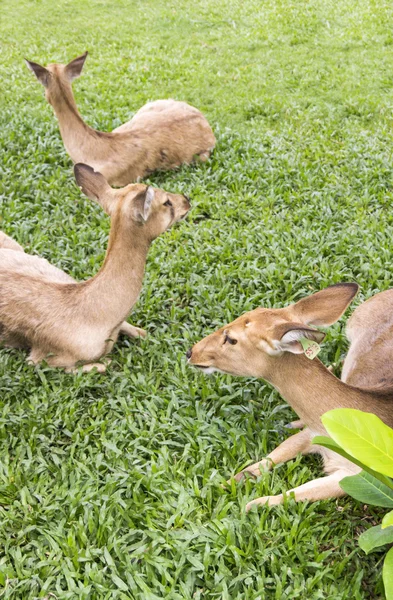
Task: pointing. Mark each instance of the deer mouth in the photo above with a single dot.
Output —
(184, 214)
(206, 369)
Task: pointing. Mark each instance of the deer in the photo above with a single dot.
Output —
(279, 346)
(162, 135)
(73, 324)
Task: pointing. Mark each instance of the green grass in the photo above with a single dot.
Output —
(110, 484)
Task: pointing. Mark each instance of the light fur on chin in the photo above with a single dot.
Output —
(209, 370)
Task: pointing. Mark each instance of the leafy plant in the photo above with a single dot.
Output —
(366, 441)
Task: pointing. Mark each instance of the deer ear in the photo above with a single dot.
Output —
(74, 68)
(148, 202)
(42, 74)
(95, 186)
(143, 203)
(325, 307)
(288, 335)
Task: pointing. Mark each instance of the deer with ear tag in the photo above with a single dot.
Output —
(161, 135)
(280, 345)
(65, 322)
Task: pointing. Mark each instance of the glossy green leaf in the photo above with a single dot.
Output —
(327, 442)
(387, 521)
(375, 537)
(368, 489)
(387, 573)
(362, 435)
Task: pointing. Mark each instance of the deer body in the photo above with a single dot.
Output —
(65, 322)
(161, 135)
(266, 343)
(370, 356)
(7, 242)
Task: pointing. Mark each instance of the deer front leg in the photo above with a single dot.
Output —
(300, 443)
(132, 331)
(318, 489)
(101, 367)
(66, 362)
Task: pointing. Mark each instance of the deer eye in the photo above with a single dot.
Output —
(168, 203)
(229, 340)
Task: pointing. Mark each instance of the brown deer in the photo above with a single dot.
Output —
(269, 343)
(161, 135)
(35, 265)
(65, 322)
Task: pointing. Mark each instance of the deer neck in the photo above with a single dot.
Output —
(114, 290)
(80, 140)
(311, 390)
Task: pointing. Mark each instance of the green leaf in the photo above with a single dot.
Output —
(327, 442)
(387, 573)
(375, 537)
(387, 521)
(368, 489)
(119, 582)
(362, 435)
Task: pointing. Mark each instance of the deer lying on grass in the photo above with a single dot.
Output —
(65, 322)
(161, 135)
(269, 343)
(37, 266)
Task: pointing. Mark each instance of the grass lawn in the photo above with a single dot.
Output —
(110, 484)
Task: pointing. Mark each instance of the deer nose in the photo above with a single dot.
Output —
(188, 354)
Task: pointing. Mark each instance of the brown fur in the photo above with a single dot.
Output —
(161, 135)
(265, 343)
(65, 322)
(7, 242)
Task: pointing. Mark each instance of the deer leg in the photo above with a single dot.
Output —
(37, 355)
(66, 361)
(132, 331)
(300, 443)
(203, 156)
(318, 489)
(101, 367)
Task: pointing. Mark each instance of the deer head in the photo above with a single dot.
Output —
(152, 210)
(57, 78)
(253, 344)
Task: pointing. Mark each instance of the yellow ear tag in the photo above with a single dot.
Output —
(311, 348)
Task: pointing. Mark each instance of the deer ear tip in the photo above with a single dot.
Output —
(355, 288)
(347, 284)
(352, 286)
(83, 167)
